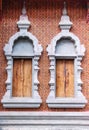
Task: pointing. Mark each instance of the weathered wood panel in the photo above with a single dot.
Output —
(27, 89)
(22, 78)
(60, 78)
(69, 90)
(64, 78)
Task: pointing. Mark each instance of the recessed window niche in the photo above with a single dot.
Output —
(65, 68)
(22, 67)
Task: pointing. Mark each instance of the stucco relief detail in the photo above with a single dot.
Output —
(22, 102)
(79, 100)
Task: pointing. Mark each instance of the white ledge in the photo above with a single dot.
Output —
(22, 102)
(44, 120)
(66, 102)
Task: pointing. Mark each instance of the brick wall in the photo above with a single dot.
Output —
(44, 16)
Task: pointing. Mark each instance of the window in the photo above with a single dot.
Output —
(22, 78)
(65, 53)
(22, 67)
(65, 78)
(65, 56)
(22, 53)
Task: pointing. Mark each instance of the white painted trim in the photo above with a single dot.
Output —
(44, 120)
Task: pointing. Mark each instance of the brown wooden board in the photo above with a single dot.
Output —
(22, 78)
(60, 78)
(69, 90)
(64, 78)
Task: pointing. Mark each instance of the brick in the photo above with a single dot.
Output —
(44, 16)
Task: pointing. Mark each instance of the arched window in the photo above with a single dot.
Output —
(65, 67)
(65, 53)
(22, 53)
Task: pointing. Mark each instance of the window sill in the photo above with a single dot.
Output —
(21, 102)
(66, 102)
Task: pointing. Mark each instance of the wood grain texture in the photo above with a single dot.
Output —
(64, 78)
(27, 89)
(22, 78)
(69, 90)
(60, 78)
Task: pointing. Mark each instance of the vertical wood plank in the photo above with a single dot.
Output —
(22, 78)
(17, 79)
(60, 78)
(27, 84)
(69, 78)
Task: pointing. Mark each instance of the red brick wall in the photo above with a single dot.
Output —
(87, 19)
(45, 16)
(0, 8)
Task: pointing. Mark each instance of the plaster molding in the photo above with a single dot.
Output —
(79, 100)
(8, 100)
(44, 120)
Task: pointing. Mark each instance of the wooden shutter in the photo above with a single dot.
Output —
(22, 78)
(64, 78)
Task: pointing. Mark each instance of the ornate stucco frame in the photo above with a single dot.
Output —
(79, 100)
(22, 102)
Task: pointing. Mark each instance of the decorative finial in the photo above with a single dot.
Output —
(24, 8)
(65, 23)
(23, 23)
(64, 10)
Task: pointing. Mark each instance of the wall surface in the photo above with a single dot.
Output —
(44, 16)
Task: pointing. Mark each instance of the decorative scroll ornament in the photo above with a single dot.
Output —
(22, 102)
(69, 48)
